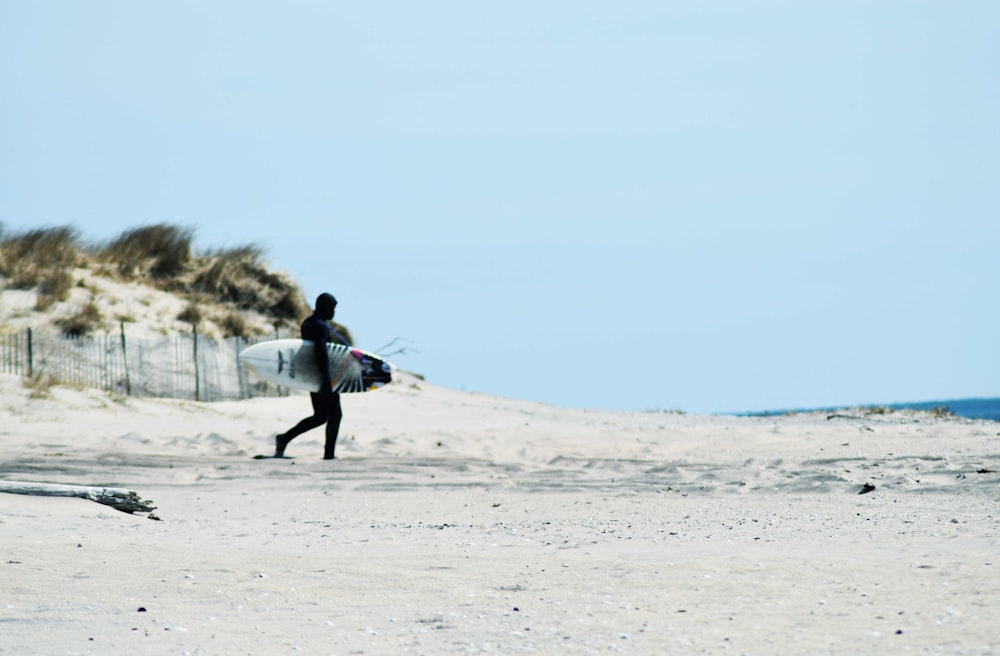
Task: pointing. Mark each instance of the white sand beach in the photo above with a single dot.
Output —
(456, 523)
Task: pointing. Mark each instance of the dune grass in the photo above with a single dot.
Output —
(223, 283)
(161, 252)
(41, 258)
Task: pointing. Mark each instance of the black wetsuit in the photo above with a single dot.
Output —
(325, 402)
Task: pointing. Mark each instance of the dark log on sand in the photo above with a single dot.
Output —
(118, 498)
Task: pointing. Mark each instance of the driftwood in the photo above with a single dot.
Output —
(118, 498)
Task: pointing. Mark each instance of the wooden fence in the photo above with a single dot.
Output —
(181, 366)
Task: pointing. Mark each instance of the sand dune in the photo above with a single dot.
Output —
(462, 523)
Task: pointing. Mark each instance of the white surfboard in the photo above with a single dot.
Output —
(292, 363)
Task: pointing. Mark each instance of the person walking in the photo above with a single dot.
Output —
(325, 402)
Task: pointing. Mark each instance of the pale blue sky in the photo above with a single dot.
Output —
(712, 206)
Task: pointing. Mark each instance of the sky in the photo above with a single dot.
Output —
(696, 205)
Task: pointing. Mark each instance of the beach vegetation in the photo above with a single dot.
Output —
(191, 313)
(941, 412)
(29, 258)
(234, 325)
(289, 305)
(40, 384)
(53, 287)
(83, 322)
(239, 277)
(877, 410)
(160, 252)
(937, 412)
(236, 285)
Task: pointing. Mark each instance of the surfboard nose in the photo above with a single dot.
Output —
(246, 356)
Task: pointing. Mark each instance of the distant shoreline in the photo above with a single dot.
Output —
(974, 408)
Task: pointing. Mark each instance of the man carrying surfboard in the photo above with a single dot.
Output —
(326, 403)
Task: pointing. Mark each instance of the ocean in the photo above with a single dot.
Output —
(968, 408)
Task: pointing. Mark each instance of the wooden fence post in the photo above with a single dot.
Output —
(240, 383)
(128, 382)
(197, 377)
(31, 363)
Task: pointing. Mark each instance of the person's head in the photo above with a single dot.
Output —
(326, 305)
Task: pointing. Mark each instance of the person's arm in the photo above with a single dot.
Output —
(316, 336)
(338, 335)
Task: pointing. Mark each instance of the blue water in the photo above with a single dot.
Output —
(968, 408)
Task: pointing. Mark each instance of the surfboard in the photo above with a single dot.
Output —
(292, 363)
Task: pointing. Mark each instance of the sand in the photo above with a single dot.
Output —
(459, 523)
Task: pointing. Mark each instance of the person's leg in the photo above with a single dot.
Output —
(318, 417)
(333, 417)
